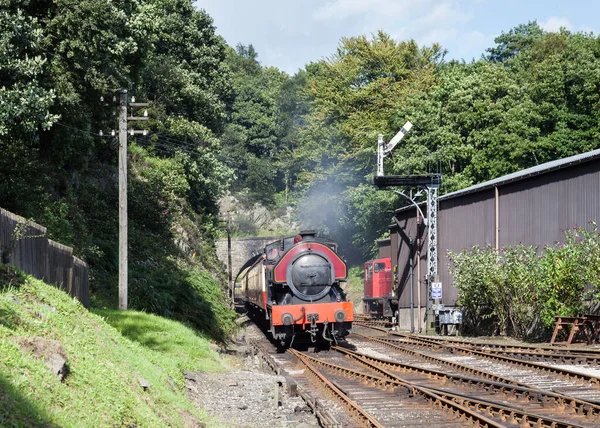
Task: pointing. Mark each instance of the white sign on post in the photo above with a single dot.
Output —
(390, 146)
(436, 290)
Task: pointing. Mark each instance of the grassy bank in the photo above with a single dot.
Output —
(108, 352)
(355, 287)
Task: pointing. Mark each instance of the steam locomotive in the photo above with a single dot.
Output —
(295, 285)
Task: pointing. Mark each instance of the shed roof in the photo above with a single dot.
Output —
(521, 175)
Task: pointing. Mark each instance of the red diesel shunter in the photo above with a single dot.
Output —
(379, 299)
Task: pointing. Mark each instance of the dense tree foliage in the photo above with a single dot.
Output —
(220, 120)
(533, 99)
(59, 58)
(343, 104)
(256, 130)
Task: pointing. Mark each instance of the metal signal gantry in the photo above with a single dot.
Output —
(430, 184)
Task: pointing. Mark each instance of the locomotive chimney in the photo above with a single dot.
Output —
(308, 235)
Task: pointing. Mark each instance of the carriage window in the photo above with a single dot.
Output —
(369, 271)
(379, 267)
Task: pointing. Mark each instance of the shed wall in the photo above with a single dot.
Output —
(463, 222)
(384, 247)
(532, 211)
(406, 230)
(537, 211)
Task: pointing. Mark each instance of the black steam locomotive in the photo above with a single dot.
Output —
(294, 284)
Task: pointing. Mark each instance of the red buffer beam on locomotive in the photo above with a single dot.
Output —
(295, 285)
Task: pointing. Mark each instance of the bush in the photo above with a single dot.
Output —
(521, 292)
(477, 277)
(174, 290)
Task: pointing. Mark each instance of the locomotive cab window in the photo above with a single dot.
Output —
(272, 251)
(369, 271)
(379, 267)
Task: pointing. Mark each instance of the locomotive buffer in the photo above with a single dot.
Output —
(429, 183)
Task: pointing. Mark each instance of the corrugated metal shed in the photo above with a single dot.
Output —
(532, 207)
(384, 246)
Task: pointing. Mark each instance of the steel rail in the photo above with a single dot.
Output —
(560, 401)
(512, 415)
(527, 351)
(373, 323)
(353, 408)
(570, 374)
(501, 346)
(458, 367)
(498, 347)
(393, 382)
(523, 354)
(325, 418)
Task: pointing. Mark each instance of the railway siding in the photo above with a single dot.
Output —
(386, 379)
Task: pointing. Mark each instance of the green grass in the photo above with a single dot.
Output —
(355, 286)
(171, 343)
(102, 388)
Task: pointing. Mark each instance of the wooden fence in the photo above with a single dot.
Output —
(24, 244)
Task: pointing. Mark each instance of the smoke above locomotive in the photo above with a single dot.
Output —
(294, 286)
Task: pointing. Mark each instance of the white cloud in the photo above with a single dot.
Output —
(471, 45)
(437, 23)
(342, 9)
(554, 23)
(438, 35)
(444, 15)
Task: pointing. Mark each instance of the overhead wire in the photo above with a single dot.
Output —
(162, 146)
(164, 140)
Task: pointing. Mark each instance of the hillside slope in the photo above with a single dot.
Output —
(131, 377)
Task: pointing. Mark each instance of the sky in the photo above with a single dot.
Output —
(289, 34)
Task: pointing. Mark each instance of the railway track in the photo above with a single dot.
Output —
(378, 401)
(569, 354)
(380, 393)
(555, 355)
(544, 404)
(547, 373)
(544, 353)
(388, 379)
(285, 364)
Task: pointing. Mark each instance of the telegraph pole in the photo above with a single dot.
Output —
(231, 284)
(123, 199)
(122, 156)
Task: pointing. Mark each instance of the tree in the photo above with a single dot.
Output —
(25, 108)
(516, 41)
(353, 97)
(252, 140)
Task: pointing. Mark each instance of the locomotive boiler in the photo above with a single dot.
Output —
(295, 286)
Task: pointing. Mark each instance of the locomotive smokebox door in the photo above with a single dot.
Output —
(310, 275)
